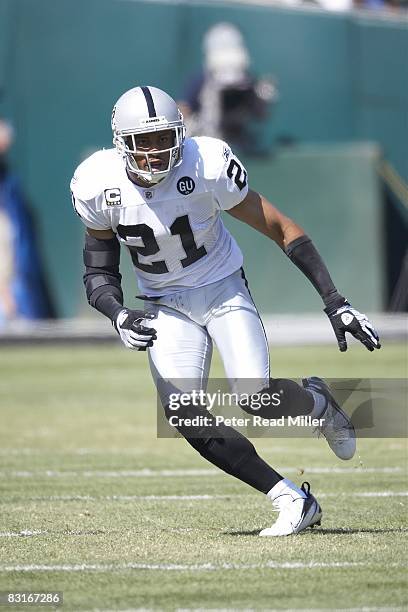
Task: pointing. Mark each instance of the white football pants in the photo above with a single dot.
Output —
(187, 324)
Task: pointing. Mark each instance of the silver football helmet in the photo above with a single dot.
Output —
(142, 110)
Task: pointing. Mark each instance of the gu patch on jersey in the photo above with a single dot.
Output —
(113, 197)
(185, 185)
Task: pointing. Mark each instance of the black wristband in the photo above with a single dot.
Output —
(334, 305)
(109, 302)
(305, 256)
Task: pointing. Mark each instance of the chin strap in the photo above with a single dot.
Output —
(136, 178)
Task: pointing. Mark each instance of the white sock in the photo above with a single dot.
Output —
(283, 487)
(319, 404)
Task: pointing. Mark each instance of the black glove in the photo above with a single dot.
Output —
(347, 319)
(133, 334)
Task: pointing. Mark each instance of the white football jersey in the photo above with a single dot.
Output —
(174, 230)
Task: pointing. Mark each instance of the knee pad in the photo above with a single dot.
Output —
(286, 398)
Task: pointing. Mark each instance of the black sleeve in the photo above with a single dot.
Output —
(102, 279)
(305, 256)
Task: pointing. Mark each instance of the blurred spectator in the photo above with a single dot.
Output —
(395, 6)
(335, 5)
(224, 99)
(23, 291)
(375, 5)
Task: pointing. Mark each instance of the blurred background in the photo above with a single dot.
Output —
(313, 97)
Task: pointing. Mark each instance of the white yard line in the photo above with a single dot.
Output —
(85, 498)
(165, 498)
(132, 452)
(376, 494)
(24, 452)
(349, 470)
(204, 567)
(143, 473)
(25, 533)
(149, 473)
(131, 497)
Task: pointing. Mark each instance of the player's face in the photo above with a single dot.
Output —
(152, 143)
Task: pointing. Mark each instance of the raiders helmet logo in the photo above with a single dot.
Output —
(113, 118)
(185, 185)
(113, 197)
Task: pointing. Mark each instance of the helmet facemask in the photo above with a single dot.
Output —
(125, 143)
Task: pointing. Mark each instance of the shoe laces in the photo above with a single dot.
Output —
(306, 488)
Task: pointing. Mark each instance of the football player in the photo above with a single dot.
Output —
(161, 195)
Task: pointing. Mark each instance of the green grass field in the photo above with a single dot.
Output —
(94, 505)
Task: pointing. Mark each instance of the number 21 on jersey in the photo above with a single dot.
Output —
(180, 227)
